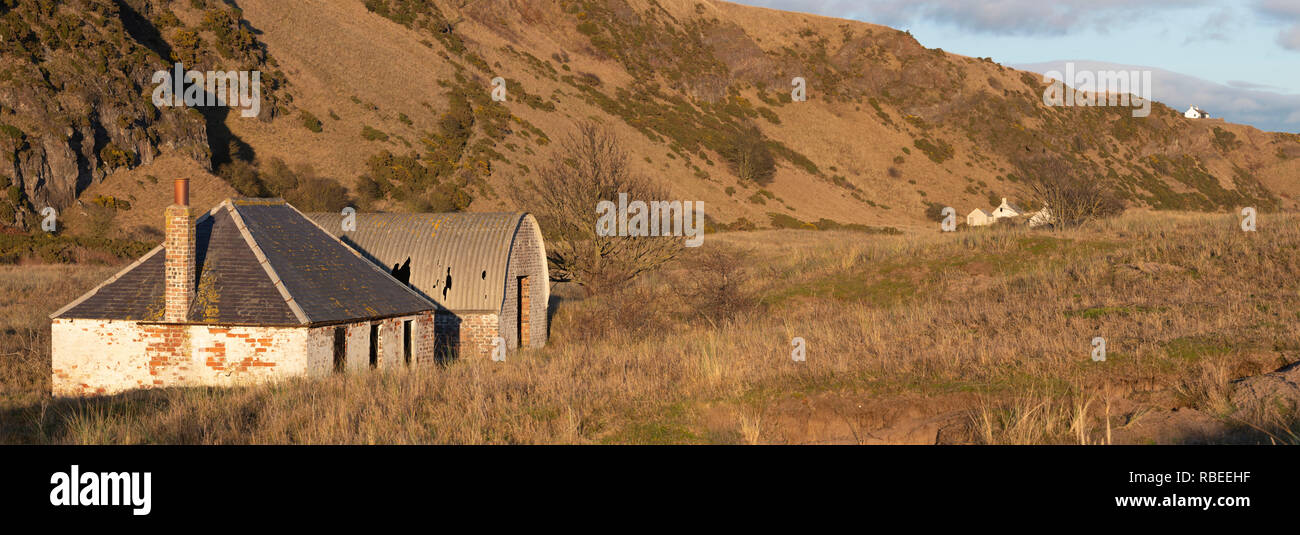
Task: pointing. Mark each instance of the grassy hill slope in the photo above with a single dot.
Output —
(392, 100)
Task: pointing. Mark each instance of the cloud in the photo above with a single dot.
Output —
(1006, 17)
(1241, 84)
(1290, 39)
(1283, 12)
(1282, 9)
(1218, 26)
(1238, 102)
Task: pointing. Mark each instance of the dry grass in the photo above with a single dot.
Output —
(990, 330)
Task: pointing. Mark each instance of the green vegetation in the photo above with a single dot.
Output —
(1226, 141)
(115, 157)
(62, 248)
(371, 134)
(749, 156)
(300, 185)
(783, 221)
(310, 121)
(934, 211)
(938, 151)
(406, 179)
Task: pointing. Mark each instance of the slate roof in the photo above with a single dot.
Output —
(258, 262)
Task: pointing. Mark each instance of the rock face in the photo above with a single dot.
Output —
(74, 137)
(76, 86)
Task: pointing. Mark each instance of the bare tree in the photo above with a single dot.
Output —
(591, 166)
(1071, 199)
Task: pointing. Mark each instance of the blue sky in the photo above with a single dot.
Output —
(1246, 51)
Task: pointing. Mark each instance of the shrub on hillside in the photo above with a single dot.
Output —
(934, 211)
(371, 134)
(115, 157)
(242, 176)
(783, 221)
(749, 156)
(315, 194)
(938, 151)
(310, 121)
(719, 291)
(420, 187)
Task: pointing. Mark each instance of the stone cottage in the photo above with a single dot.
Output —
(486, 272)
(251, 291)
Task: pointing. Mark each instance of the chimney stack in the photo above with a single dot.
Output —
(179, 248)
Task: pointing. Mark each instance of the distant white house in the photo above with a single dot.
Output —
(1040, 218)
(1196, 113)
(979, 217)
(1007, 209)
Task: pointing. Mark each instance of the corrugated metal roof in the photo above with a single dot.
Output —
(470, 249)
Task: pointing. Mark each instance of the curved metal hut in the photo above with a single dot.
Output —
(486, 272)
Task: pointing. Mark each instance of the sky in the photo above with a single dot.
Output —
(1237, 59)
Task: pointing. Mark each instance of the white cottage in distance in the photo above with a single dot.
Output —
(1196, 113)
(980, 218)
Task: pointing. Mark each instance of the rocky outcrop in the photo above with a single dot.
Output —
(76, 85)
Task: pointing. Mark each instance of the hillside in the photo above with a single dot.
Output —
(391, 99)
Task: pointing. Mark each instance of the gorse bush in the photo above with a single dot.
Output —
(310, 121)
(934, 211)
(299, 185)
(406, 179)
(369, 133)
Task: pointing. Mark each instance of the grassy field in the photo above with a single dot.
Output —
(972, 337)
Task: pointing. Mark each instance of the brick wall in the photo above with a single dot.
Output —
(526, 260)
(466, 335)
(90, 357)
(179, 263)
(426, 342)
(106, 357)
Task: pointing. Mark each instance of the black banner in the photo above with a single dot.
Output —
(144, 484)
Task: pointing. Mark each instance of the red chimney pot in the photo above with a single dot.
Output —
(182, 192)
